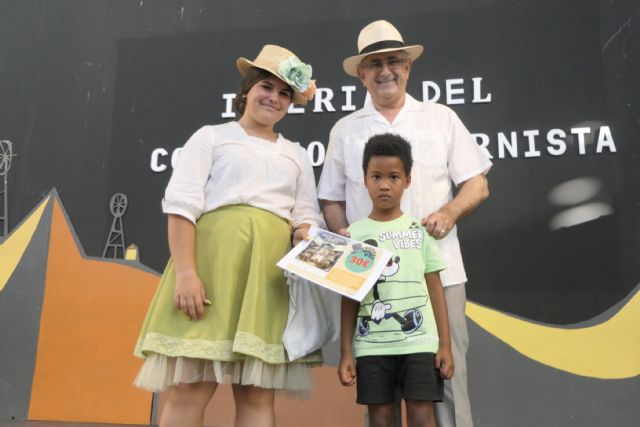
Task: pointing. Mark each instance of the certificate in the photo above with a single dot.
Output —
(340, 264)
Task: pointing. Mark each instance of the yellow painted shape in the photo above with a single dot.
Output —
(609, 350)
(13, 247)
(131, 254)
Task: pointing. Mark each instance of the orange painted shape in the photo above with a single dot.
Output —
(331, 404)
(91, 316)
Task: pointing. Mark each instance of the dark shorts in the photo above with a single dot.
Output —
(414, 375)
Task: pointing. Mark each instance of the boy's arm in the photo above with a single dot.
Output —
(444, 357)
(347, 367)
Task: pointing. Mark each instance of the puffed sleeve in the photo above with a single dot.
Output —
(465, 157)
(184, 194)
(332, 185)
(305, 208)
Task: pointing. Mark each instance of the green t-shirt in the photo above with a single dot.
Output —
(396, 315)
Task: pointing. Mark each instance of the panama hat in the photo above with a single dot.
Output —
(379, 36)
(286, 66)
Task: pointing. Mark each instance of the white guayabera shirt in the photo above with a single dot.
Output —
(444, 154)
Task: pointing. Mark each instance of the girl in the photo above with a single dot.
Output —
(238, 193)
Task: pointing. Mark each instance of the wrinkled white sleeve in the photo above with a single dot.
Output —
(332, 185)
(465, 158)
(184, 194)
(305, 207)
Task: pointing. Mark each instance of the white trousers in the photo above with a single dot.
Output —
(455, 410)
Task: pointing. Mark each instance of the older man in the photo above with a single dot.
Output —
(445, 155)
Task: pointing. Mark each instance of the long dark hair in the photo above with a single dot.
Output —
(254, 75)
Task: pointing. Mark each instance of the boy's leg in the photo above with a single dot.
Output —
(420, 413)
(421, 386)
(397, 408)
(455, 410)
(376, 388)
(381, 415)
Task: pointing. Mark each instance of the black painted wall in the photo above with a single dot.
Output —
(89, 88)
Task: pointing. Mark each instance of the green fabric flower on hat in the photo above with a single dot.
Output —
(295, 73)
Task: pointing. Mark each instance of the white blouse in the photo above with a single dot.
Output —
(223, 165)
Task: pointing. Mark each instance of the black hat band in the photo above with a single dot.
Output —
(384, 44)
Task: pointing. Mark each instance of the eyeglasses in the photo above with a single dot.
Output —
(378, 64)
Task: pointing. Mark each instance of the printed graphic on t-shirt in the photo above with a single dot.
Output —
(396, 313)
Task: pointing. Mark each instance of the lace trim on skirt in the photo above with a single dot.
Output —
(204, 349)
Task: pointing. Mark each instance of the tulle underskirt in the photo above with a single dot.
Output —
(159, 372)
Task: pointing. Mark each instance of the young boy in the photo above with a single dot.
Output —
(401, 339)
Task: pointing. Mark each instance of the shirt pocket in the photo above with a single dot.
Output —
(353, 154)
(429, 151)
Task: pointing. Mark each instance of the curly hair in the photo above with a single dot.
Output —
(391, 145)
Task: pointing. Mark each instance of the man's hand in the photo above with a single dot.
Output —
(335, 215)
(471, 193)
(440, 222)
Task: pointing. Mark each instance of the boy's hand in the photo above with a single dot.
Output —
(347, 371)
(344, 232)
(444, 362)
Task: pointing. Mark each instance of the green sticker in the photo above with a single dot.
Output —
(360, 260)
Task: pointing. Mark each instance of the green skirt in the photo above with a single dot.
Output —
(240, 337)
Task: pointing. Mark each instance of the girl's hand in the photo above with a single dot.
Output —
(347, 371)
(444, 362)
(300, 233)
(189, 296)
